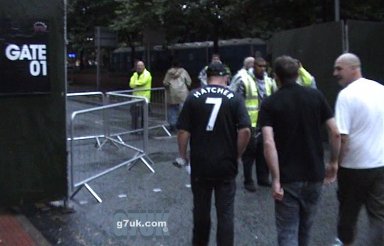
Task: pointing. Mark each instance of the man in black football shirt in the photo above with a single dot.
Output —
(216, 123)
(291, 121)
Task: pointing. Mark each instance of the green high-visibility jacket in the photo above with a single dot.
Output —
(141, 84)
(305, 78)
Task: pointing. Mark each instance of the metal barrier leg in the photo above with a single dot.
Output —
(147, 164)
(93, 193)
(120, 139)
(76, 191)
(166, 131)
(106, 141)
(98, 144)
(135, 162)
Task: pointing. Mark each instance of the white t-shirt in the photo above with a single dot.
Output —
(360, 115)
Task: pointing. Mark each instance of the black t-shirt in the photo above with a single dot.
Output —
(212, 115)
(297, 114)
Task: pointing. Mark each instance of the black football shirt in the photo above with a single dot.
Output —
(212, 115)
(297, 114)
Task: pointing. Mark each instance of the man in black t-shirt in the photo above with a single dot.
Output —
(216, 124)
(291, 121)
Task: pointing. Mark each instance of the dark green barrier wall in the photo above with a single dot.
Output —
(316, 47)
(33, 159)
(366, 41)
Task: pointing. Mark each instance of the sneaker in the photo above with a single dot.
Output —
(250, 187)
(179, 162)
(337, 242)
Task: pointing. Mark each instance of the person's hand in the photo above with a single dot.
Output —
(277, 190)
(330, 173)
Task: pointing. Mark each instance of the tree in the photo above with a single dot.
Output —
(202, 20)
(83, 16)
(372, 10)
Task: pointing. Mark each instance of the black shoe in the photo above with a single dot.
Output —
(250, 187)
(264, 183)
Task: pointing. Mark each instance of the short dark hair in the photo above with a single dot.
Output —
(286, 68)
(259, 59)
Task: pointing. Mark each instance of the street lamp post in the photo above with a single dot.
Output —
(337, 10)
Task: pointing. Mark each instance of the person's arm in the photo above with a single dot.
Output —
(143, 79)
(334, 144)
(188, 80)
(182, 141)
(203, 76)
(166, 80)
(235, 82)
(273, 85)
(243, 136)
(344, 147)
(271, 157)
(132, 81)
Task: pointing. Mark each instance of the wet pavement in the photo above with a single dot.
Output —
(137, 194)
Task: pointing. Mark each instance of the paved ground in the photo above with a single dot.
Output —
(137, 194)
(165, 195)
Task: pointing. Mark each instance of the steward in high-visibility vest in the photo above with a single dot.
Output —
(254, 97)
(141, 81)
(254, 85)
(252, 89)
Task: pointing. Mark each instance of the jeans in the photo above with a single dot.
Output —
(173, 114)
(224, 201)
(296, 212)
(358, 187)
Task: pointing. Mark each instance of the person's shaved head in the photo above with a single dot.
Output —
(249, 62)
(347, 69)
(140, 67)
(350, 59)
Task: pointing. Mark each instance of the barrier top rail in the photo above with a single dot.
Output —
(118, 93)
(104, 107)
(150, 89)
(84, 93)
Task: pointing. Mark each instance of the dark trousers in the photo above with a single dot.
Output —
(137, 116)
(358, 187)
(295, 214)
(254, 153)
(224, 201)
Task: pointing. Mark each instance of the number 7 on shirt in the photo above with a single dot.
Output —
(216, 107)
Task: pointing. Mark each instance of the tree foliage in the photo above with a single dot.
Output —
(82, 18)
(201, 20)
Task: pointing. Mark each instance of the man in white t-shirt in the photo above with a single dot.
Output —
(360, 119)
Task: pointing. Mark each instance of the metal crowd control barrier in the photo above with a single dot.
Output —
(85, 100)
(103, 122)
(157, 113)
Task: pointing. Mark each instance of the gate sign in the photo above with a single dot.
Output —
(24, 58)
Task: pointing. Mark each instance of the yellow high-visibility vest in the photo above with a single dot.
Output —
(252, 100)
